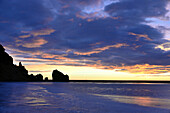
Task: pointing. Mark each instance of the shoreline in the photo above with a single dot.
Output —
(102, 81)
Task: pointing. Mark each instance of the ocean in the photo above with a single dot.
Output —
(84, 97)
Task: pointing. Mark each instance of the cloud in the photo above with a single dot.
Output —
(26, 13)
(138, 36)
(25, 36)
(40, 32)
(164, 46)
(99, 50)
(34, 44)
(142, 69)
(115, 32)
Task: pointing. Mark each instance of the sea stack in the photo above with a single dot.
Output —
(59, 76)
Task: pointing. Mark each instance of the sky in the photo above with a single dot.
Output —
(89, 39)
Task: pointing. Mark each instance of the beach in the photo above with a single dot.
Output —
(79, 97)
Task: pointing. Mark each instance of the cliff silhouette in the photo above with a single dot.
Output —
(11, 72)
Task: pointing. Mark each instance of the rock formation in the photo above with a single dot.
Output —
(59, 76)
(9, 71)
(46, 78)
(39, 77)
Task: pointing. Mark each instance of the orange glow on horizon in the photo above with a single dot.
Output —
(80, 70)
(91, 73)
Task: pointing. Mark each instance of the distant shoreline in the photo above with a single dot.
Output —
(121, 81)
(102, 81)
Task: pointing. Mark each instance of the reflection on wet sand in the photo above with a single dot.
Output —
(33, 101)
(141, 101)
(35, 96)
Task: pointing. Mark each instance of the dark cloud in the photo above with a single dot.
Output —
(62, 28)
(137, 10)
(21, 13)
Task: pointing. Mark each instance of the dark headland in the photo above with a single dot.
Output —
(10, 72)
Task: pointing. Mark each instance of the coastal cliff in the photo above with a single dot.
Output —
(9, 71)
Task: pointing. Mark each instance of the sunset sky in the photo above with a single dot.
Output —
(89, 39)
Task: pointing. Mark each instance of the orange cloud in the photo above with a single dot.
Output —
(24, 52)
(114, 46)
(24, 36)
(86, 53)
(99, 50)
(39, 32)
(138, 36)
(45, 55)
(89, 20)
(58, 57)
(145, 69)
(36, 43)
(134, 69)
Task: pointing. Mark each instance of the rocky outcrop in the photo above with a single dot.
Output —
(38, 77)
(46, 78)
(59, 76)
(9, 71)
(5, 59)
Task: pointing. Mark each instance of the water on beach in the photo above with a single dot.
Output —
(79, 97)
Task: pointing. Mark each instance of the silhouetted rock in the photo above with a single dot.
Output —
(5, 59)
(20, 64)
(46, 78)
(39, 77)
(59, 76)
(2, 48)
(32, 77)
(9, 71)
